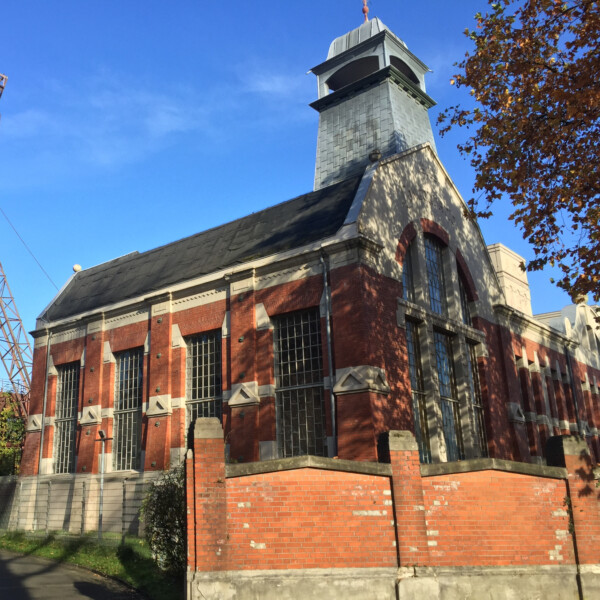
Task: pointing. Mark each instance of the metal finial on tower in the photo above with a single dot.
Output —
(365, 10)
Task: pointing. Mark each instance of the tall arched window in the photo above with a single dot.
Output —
(442, 349)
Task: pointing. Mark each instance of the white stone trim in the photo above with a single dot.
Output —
(288, 275)
(515, 413)
(91, 415)
(107, 413)
(201, 299)
(263, 320)
(159, 406)
(176, 456)
(362, 378)
(107, 354)
(244, 284)
(244, 394)
(177, 340)
(162, 307)
(266, 391)
(52, 372)
(34, 423)
(47, 466)
(177, 403)
(226, 325)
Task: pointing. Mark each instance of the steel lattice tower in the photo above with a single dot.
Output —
(15, 349)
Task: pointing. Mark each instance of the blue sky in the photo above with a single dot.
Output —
(129, 124)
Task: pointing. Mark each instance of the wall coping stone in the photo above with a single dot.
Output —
(208, 428)
(402, 441)
(493, 464)
(308, 462)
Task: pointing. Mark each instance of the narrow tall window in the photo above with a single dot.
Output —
(204, 391)
(67, 400)
(449, 404)
(435, 275)
(464, 302)
(299, 384)
(476, 401)
(128, 410)
(408, 282)
(418, 391)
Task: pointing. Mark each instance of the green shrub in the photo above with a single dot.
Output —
(164, 516)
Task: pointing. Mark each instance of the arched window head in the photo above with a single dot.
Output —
(404, 69)
(356, 70)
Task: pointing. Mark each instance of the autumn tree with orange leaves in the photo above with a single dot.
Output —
(534, 128)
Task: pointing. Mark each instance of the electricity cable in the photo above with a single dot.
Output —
(29, 250)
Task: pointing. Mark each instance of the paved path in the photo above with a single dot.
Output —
(32, 578)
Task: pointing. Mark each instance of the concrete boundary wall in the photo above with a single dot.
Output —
(331, 529)
(70, 503)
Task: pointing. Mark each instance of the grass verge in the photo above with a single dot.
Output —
(129, 560)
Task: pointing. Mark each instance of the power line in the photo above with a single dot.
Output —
(29, 250)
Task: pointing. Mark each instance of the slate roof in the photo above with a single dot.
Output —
(288, 225)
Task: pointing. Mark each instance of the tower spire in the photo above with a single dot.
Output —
(365, 10)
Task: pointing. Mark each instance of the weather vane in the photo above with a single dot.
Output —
(365, 10)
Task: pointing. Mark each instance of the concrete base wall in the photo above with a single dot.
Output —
(70, 503)
(294, 584)
(458, 583)
(487, 583)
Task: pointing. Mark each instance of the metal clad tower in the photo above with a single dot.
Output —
(371, 98)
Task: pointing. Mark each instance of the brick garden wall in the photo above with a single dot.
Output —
(310, 513)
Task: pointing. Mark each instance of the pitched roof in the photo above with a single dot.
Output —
(288, 225)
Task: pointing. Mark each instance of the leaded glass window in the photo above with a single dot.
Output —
(464, 303)
(418, 391)
(204, 389)
(435, 275)
(65, 422)
(128, 410)
(408, 282)
(299, 405)
(476, 401)
(449, 404)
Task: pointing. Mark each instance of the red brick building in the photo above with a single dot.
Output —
(310, 328)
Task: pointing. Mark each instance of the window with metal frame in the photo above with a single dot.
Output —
(65, 421)
(300, 409)
(418, 391)
(127, 425)
(476, 400)
(204, 395)
(449, 404)
(435, 275)
(408, 284)
(464, 302)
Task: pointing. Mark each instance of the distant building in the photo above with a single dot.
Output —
(312, 327)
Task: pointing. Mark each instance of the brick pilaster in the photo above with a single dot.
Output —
(409, 504)
(209, 497)
(573, 453)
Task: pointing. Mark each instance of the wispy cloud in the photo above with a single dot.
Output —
(110, 121)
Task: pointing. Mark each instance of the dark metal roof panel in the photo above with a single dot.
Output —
(288, 225)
